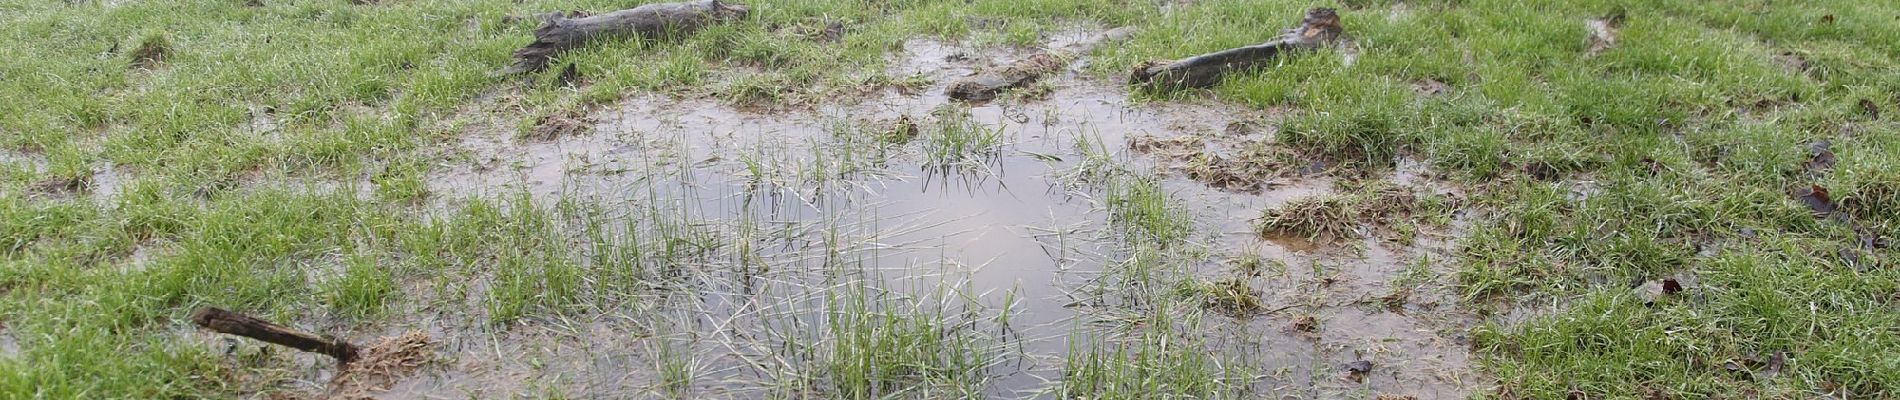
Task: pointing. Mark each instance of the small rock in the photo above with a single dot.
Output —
(1357, 370)
(1359, 367)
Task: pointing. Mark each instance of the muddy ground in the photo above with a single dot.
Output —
(1017, 228)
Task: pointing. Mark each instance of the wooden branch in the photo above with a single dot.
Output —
(1320, 28)
(222, 321)
(559, 33)
(987, 85)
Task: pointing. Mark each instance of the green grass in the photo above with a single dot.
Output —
(1674, 152)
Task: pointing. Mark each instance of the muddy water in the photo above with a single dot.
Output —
(1011, 225)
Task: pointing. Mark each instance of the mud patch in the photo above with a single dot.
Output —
(1020, 228)
(9, 345)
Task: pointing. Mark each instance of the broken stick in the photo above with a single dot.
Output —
(1320, 28)
(986, 85)
(223, 321)
(558, 33)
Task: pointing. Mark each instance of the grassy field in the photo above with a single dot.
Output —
(274, 157)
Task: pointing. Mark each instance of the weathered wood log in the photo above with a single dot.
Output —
(559, 33)
(1320, 28)
(227, 322)
(986, 85)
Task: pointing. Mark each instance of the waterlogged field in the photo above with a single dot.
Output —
(1492, 199)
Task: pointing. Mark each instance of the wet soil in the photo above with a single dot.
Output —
(1015, 224)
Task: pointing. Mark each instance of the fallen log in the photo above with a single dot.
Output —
(1320, 28)
(987, 85)
(227, 322)
(559, 33)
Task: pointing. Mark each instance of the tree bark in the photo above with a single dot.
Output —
(1320, 28)
(558, 33)
(986, 85)
(223, 321)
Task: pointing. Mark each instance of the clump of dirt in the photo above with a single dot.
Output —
(1173, 148)
(1244, 172)
(1326, 217)
(1387, 201)
(381, 365)
(1231, 296)
(151, 52)
(1335, 217)
(561, 124)
(1431, 87)
(63, 185)
(1793, 62)
(1306, 323)
(902, 131)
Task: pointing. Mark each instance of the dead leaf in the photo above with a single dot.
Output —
(1816, 198)
(1827, 19)
(1872, 110)
(1820, 156)
(1652, 291)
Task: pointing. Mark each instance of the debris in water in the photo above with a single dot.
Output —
(560, 124)
(1323, 217)
(1174, 148)
(63, 185)
(382, 364)
(902, 131)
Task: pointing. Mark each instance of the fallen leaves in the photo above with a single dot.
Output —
(1817, 200)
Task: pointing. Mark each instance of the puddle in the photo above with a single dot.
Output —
(9, 345)
(1008, 224)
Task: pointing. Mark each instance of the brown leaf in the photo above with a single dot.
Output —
(1820, 156)
(1827, 19)
(1815, 197)
(1872, 110)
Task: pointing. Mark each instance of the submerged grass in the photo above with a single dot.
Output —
(1674, 151)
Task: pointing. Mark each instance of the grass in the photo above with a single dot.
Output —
(1673, 152)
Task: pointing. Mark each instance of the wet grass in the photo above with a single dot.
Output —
(1673, 152)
